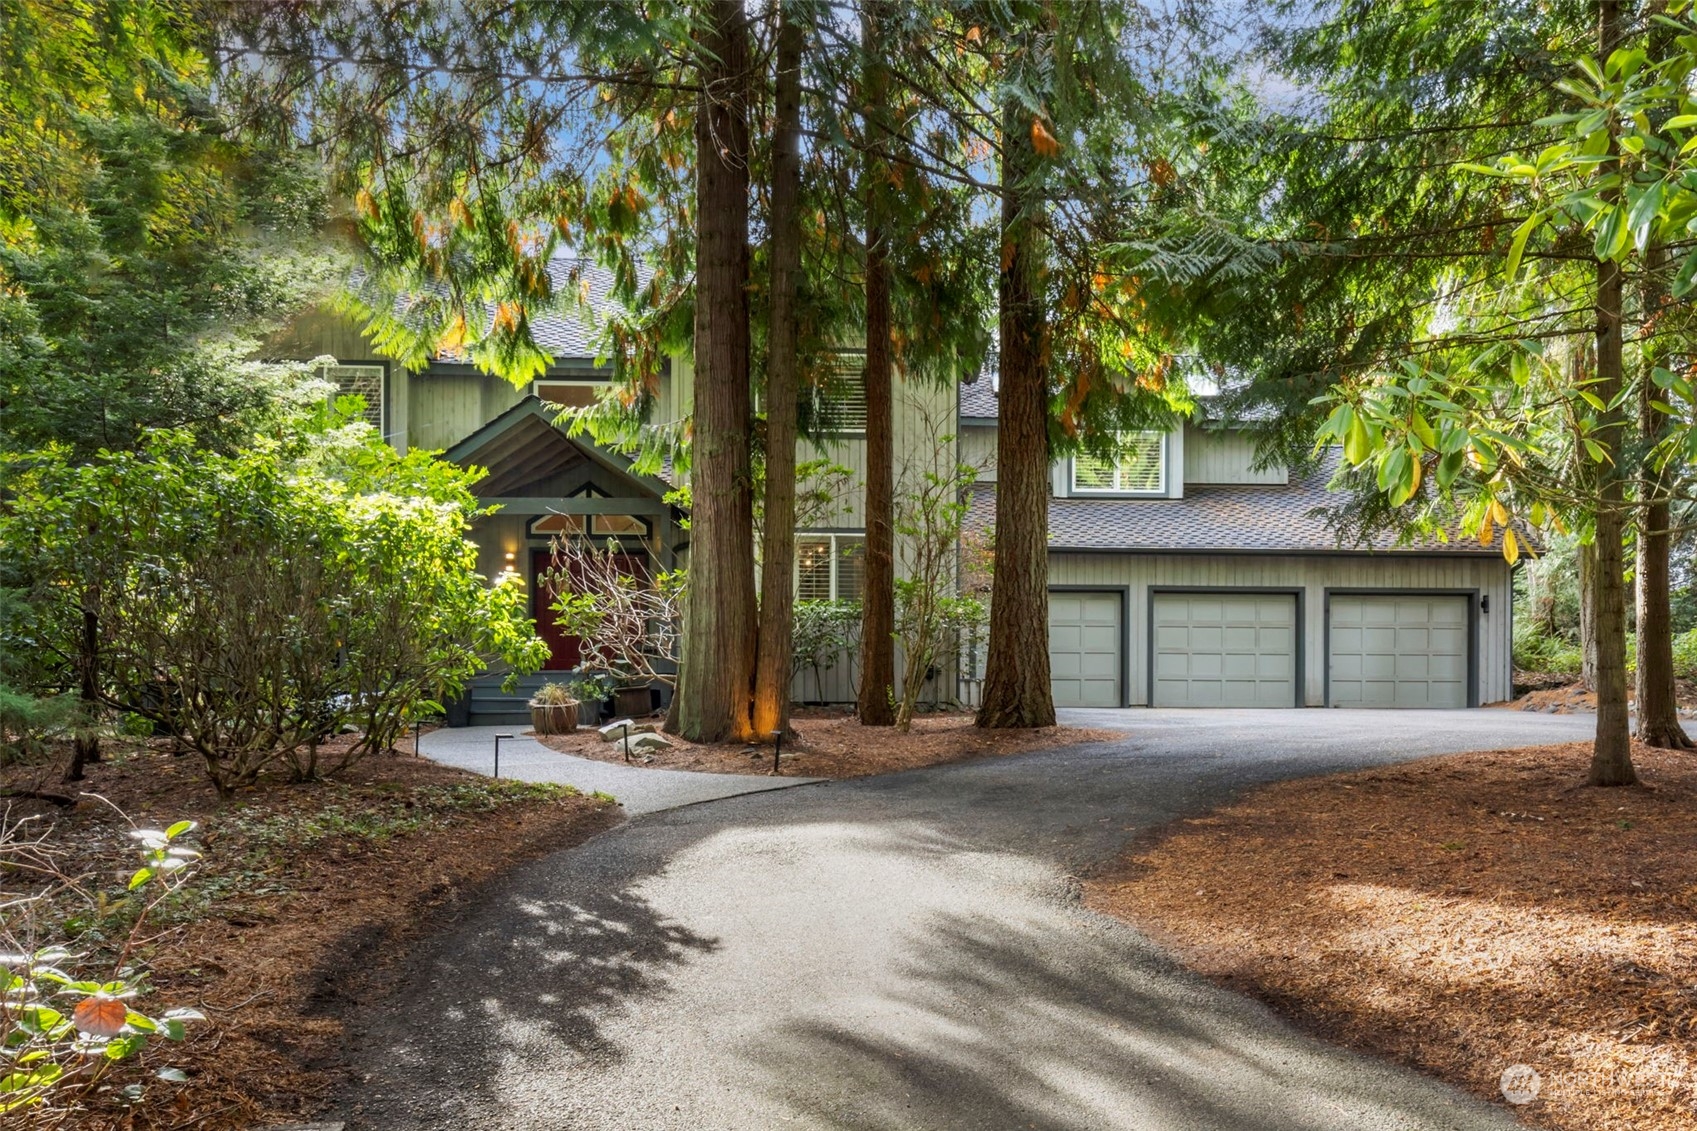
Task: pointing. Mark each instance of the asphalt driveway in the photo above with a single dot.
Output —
(893, 953)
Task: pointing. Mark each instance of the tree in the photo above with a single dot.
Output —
(716, 669)
(773, 654)
(877, 626)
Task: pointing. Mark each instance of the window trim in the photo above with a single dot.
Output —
(846, 371)
(327, 373)
(1159, 491)
(835, 538)
(574, 382)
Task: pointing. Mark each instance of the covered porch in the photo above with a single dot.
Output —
(550, 485)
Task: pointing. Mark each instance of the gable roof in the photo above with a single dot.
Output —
(1216, 520)
(524, 444)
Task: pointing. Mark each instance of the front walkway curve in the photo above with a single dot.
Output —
(890, 954)
(638, 789)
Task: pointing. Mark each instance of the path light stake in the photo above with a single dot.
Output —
(626, 729)
(777, 748)
(498, 739)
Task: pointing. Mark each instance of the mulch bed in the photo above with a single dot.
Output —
(1459, 914)
(833, 744)
(1556, 695)
(304, 894)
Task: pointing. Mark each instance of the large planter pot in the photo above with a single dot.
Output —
(553, 718)
(632, 701)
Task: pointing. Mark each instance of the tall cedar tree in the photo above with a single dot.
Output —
(716, 664)
(777, 562)
(878, 599)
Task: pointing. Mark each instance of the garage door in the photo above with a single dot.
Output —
(1084, 649)
(1225, 650)
(1398, 651)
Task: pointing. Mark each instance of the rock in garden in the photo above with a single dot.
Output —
(641, 742)
(616, 729)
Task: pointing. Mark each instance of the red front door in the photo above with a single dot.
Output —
(564, 651)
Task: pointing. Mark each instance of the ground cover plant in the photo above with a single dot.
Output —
(301, 894)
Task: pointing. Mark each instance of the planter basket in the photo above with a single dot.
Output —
(632, 701)
(553, 718)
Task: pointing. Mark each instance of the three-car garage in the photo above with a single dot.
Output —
(1171, 646)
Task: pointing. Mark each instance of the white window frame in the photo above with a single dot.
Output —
(1158, 491)
(836, 541)
(334, 374)
(852, 375)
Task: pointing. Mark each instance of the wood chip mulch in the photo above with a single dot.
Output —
(833, 744)
(287, 939)
(1459, 914)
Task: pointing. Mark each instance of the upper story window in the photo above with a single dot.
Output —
(829, 567)
(363, 381)
(1138, 467)
(837, 406)
(569, 393)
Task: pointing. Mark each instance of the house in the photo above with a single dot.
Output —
(547, 483)
(1182, 575)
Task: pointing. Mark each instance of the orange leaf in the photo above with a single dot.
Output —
(1161, 172)
(974, 35)
(99, 1016)
(1043, 141)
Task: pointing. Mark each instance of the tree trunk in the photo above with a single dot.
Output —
(1016, 678)
(777, 563)
(1611, 757)
(1587, 617)
(878, 597)
(1657, 705)
(85, 741)
(716, 664)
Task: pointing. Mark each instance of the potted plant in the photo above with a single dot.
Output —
(553, 710)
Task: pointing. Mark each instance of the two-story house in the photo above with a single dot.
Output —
(1181, 575)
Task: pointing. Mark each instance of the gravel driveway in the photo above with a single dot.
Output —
(893, 953)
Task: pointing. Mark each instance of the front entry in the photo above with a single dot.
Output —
(565, 651)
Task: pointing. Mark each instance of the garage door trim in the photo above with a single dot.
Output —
(1299, 627)
(1472, 596)
(1123, 594)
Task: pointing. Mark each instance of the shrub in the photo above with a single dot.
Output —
(251, 605)
(1536, 651)
(1685, 655)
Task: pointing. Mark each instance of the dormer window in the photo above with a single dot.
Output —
(1138, 467)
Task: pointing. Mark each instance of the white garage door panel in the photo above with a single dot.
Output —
(1225, 650)
(1396, 650)
(1084, 649)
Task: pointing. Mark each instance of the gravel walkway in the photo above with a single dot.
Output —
(639, 790)
(894, 953)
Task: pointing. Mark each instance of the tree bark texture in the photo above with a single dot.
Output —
(777, 563)
(85, 740)
(716, 665)
(878, 598)
(1657, 706)
(1611, 756)
(1587, 617)
(1016, 677)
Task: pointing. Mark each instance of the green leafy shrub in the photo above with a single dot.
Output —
(1685, 655)
(1536, 651)
(250, 605)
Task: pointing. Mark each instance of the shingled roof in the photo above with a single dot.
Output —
(1235, 520)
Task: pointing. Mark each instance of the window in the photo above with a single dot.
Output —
(829, 567)
(1139, 467)
(599, 525)
(837, 405)
(569, 394)
(362, 381)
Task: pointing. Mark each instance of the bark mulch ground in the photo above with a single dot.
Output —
(833, 744)
(1552, 696)
(304, 896)
(1460, 914)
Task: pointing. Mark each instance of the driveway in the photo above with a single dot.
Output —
(894, 953)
